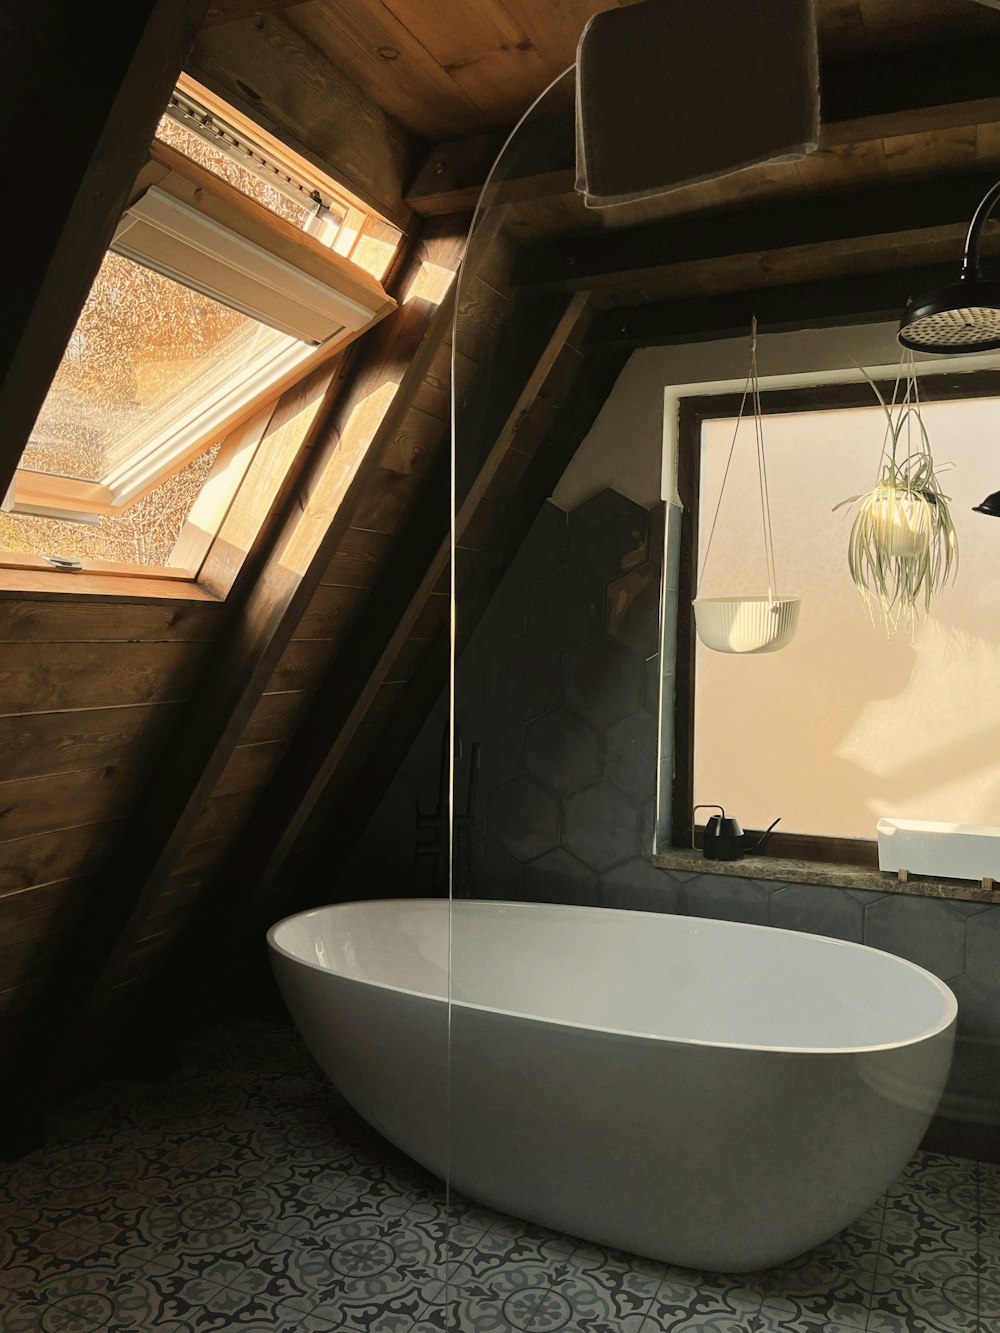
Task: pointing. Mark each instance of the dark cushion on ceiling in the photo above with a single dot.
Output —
(675, 91)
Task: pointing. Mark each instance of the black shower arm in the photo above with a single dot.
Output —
(970, 264)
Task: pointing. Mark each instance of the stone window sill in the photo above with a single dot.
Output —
(818, 872)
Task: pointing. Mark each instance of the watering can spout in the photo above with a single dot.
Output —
(724, 838)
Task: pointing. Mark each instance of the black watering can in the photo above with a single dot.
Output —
(724, 838)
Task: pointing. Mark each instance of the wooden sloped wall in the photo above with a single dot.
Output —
(89, 688)
(407, 477)
(392, 666)
(382, 423)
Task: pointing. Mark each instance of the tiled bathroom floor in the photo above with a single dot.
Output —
(243, 1195)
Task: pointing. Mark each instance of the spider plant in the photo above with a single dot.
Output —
(903, 546)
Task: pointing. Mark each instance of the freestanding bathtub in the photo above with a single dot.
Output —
(714, 1095)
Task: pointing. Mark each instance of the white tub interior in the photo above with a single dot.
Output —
(680, 978)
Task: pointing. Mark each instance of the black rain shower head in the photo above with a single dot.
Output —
(965, 316)
(991, 506)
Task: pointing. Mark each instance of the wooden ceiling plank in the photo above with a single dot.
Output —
(988, 143)
(391, 66)
(267, 70)
(483, 50)
(555, 29)
(453, 175)
(228, 11)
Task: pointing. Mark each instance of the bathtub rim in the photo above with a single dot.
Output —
(947, 994)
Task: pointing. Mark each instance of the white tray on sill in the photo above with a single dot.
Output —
(948, 851)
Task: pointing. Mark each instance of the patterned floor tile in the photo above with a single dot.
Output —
(719, 1308)
(767, 1320)
(244, 1194)
(928, 1253)
(902, 1303)
(816, 1288)
(467, 1314)
(698, 1321)
(989, 1302)
(582, 1301)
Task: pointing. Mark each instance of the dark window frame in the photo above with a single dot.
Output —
(692, 412)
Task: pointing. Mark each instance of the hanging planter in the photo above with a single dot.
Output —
(748, 623)
(903, 546)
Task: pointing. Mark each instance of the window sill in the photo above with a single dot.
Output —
(818, 872)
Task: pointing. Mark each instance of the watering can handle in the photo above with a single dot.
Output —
(710, 807)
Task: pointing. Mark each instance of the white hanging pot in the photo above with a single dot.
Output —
(901, 524)
(746, 624)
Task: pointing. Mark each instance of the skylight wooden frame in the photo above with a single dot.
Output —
(193, 185)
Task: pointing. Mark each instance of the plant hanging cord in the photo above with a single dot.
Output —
(765, 499)
(752, 386)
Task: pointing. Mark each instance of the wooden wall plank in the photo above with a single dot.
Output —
(249, 767)
(329, 613)
(275, 717)
(358, 558)
(51, 676)
(30, 806)
(36, 744)
(26, 863)
(268, 475)
(104, 621)
(300, 665)
(221, 817)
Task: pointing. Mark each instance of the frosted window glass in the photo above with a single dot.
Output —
(844, 725)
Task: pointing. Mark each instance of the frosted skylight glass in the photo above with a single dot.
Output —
(145, 350)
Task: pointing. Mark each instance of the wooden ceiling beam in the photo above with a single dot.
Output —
(542, 164)
(85, 97)
(878, 218)
(867, 298)
(866, 99)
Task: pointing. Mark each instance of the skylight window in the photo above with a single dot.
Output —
(219, 292)
(147, 354)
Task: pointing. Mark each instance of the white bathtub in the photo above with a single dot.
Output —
(710, 1094)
